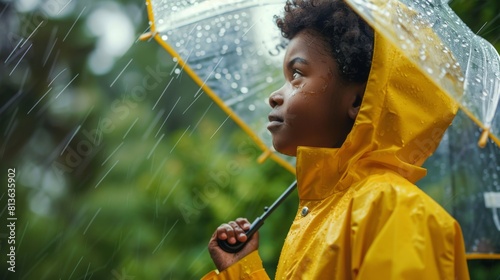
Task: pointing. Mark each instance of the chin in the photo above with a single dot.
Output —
(288, 151)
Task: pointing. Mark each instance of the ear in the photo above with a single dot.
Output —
(355, 105)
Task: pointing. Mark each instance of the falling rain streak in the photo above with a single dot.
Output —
(17, 64)
(92, 220)
(130, 128)
(169, 113)
(13, 51)
(73, 25)
(112, 153)
(121, 72)
(67, 85)
(163, 92)
(56, 76)
(163, 239)
(71, 138)
(171, 190)
(27, 39)
(98, 183)
(156, 145)
(180, 138)
(227, 118)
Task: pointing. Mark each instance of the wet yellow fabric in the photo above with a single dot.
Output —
(367, 219)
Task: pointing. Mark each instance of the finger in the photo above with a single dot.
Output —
(243, 223)
(239, 233)
(227, 232)
(223, 231)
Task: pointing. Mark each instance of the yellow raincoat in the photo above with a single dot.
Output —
(360, 215)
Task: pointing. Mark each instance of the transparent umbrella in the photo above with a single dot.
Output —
(453, 53)
(233, 50)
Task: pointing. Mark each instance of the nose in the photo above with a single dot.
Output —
(276, 98)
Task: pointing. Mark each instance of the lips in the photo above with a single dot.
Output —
(275, 121)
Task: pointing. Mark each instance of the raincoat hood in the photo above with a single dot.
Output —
(401, 121)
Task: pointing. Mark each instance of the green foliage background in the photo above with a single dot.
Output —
(127, 204)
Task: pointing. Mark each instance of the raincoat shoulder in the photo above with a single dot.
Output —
(250, 267)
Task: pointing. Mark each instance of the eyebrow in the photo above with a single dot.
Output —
(296, 60)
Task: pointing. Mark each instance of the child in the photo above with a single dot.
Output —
(361, 120)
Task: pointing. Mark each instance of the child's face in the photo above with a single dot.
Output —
(313, 107)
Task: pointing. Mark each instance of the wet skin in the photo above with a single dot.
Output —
(314, 107)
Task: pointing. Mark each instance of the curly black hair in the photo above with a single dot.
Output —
(350, 38)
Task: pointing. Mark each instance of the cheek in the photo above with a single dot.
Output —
(325, 83)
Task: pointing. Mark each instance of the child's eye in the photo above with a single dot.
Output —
(296, 74)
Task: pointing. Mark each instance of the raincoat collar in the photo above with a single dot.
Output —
(401, 121)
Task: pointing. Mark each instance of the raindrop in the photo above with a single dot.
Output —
(177, 71)
(251, 107)
(217, 76)
(244, 90)
(234, 85)
(164, 37)
(423, 56)
(269, 79)
(429, 70)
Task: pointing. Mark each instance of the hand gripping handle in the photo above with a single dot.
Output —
(236, 247)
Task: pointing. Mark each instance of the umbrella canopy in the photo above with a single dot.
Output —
(461, 63)
(234, 51)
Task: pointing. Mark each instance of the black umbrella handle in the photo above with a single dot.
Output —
(236, 247)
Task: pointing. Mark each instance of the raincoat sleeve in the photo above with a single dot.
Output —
(250, 267)
(401, 234)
